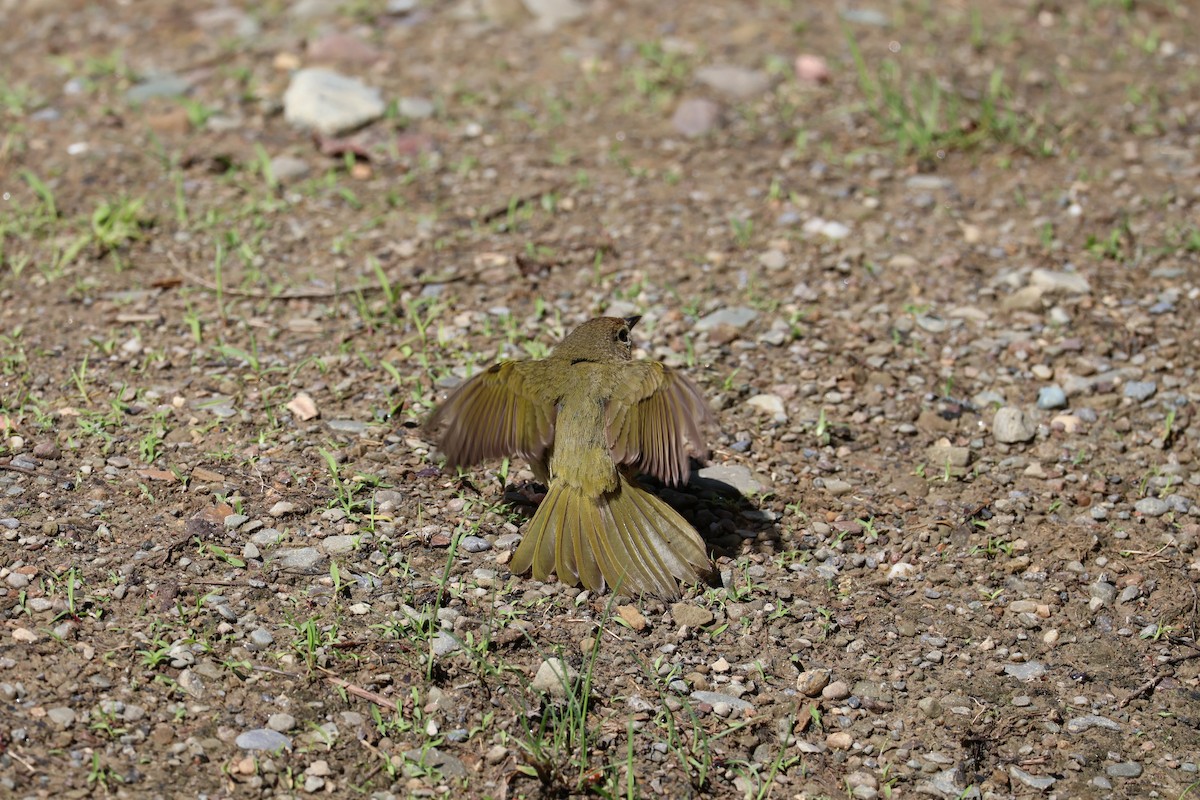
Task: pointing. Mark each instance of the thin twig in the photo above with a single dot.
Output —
(384, 759)
(1142, 690)
(15, 468)
(365, 694)
(277, 671)
(1179, 659)
(23, 762)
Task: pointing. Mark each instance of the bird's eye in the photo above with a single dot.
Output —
(623, 335)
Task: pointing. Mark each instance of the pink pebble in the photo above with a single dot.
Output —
(811, 69)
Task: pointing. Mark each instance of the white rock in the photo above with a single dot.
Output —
(552, 13)
(828, 229)
(1056, 281)
(1012, 425)
(554, 677)
(330, 102)
(771, 404)
(737, 82)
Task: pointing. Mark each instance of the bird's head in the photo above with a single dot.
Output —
(599, 339)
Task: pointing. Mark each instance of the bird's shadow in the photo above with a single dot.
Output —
(723, 515)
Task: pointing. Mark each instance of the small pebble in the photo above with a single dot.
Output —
(1140, 390)
(1128, 769)
(1050, 397)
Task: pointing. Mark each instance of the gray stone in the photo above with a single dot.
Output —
(988, 397)
(351, 426)
(1051, 397)
(308, 9)
(554, 677)
(158, 86)
(282, 508)
(734, 316)
(691, 615)
(1140, 390)
(261, 637)
(61, 716)
(837, 487)
(941, 455)
(552, 13)
(234, 521)
(773, 260)
(286, 168)
(769, 404)
(1039, 782)
(192, 682)
(474, 544)
(947, 783)
(737, 82)
(1027, 298)
(1179, 503)
(267, 537)
(1028, 671)
(263, 739)
(928, 322)
(508, 541)
(445, 643)
(1103, 591)
(724, 477)
(865, 16)
(415, 107)
(695, 116)
(1129, 769)
(713, 698)
(1051, 281)
(1151, 506)
(228, 20)
(838, 690)
(298, 559)
(930, 707)
(1012, 425)
(830, 229)
(281, 722)
(329, 102)
(341, 542)
(1089, 721)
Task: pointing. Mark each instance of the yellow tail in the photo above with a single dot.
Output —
(627, 539)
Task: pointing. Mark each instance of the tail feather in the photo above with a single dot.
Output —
(657, 546)
(636, 532)
(678, 544)
(628, 539)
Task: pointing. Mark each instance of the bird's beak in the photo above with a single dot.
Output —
(631, 321)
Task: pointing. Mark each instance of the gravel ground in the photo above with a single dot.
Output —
(935, 265)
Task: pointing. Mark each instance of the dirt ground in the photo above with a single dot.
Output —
(935, 264)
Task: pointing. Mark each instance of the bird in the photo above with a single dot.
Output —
(589, 418)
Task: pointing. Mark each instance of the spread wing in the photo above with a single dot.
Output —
(654, 421)
(492, 415)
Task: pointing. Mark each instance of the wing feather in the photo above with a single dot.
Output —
(492, 415)
(655, 421)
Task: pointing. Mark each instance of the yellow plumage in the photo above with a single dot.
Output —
(588, 419)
